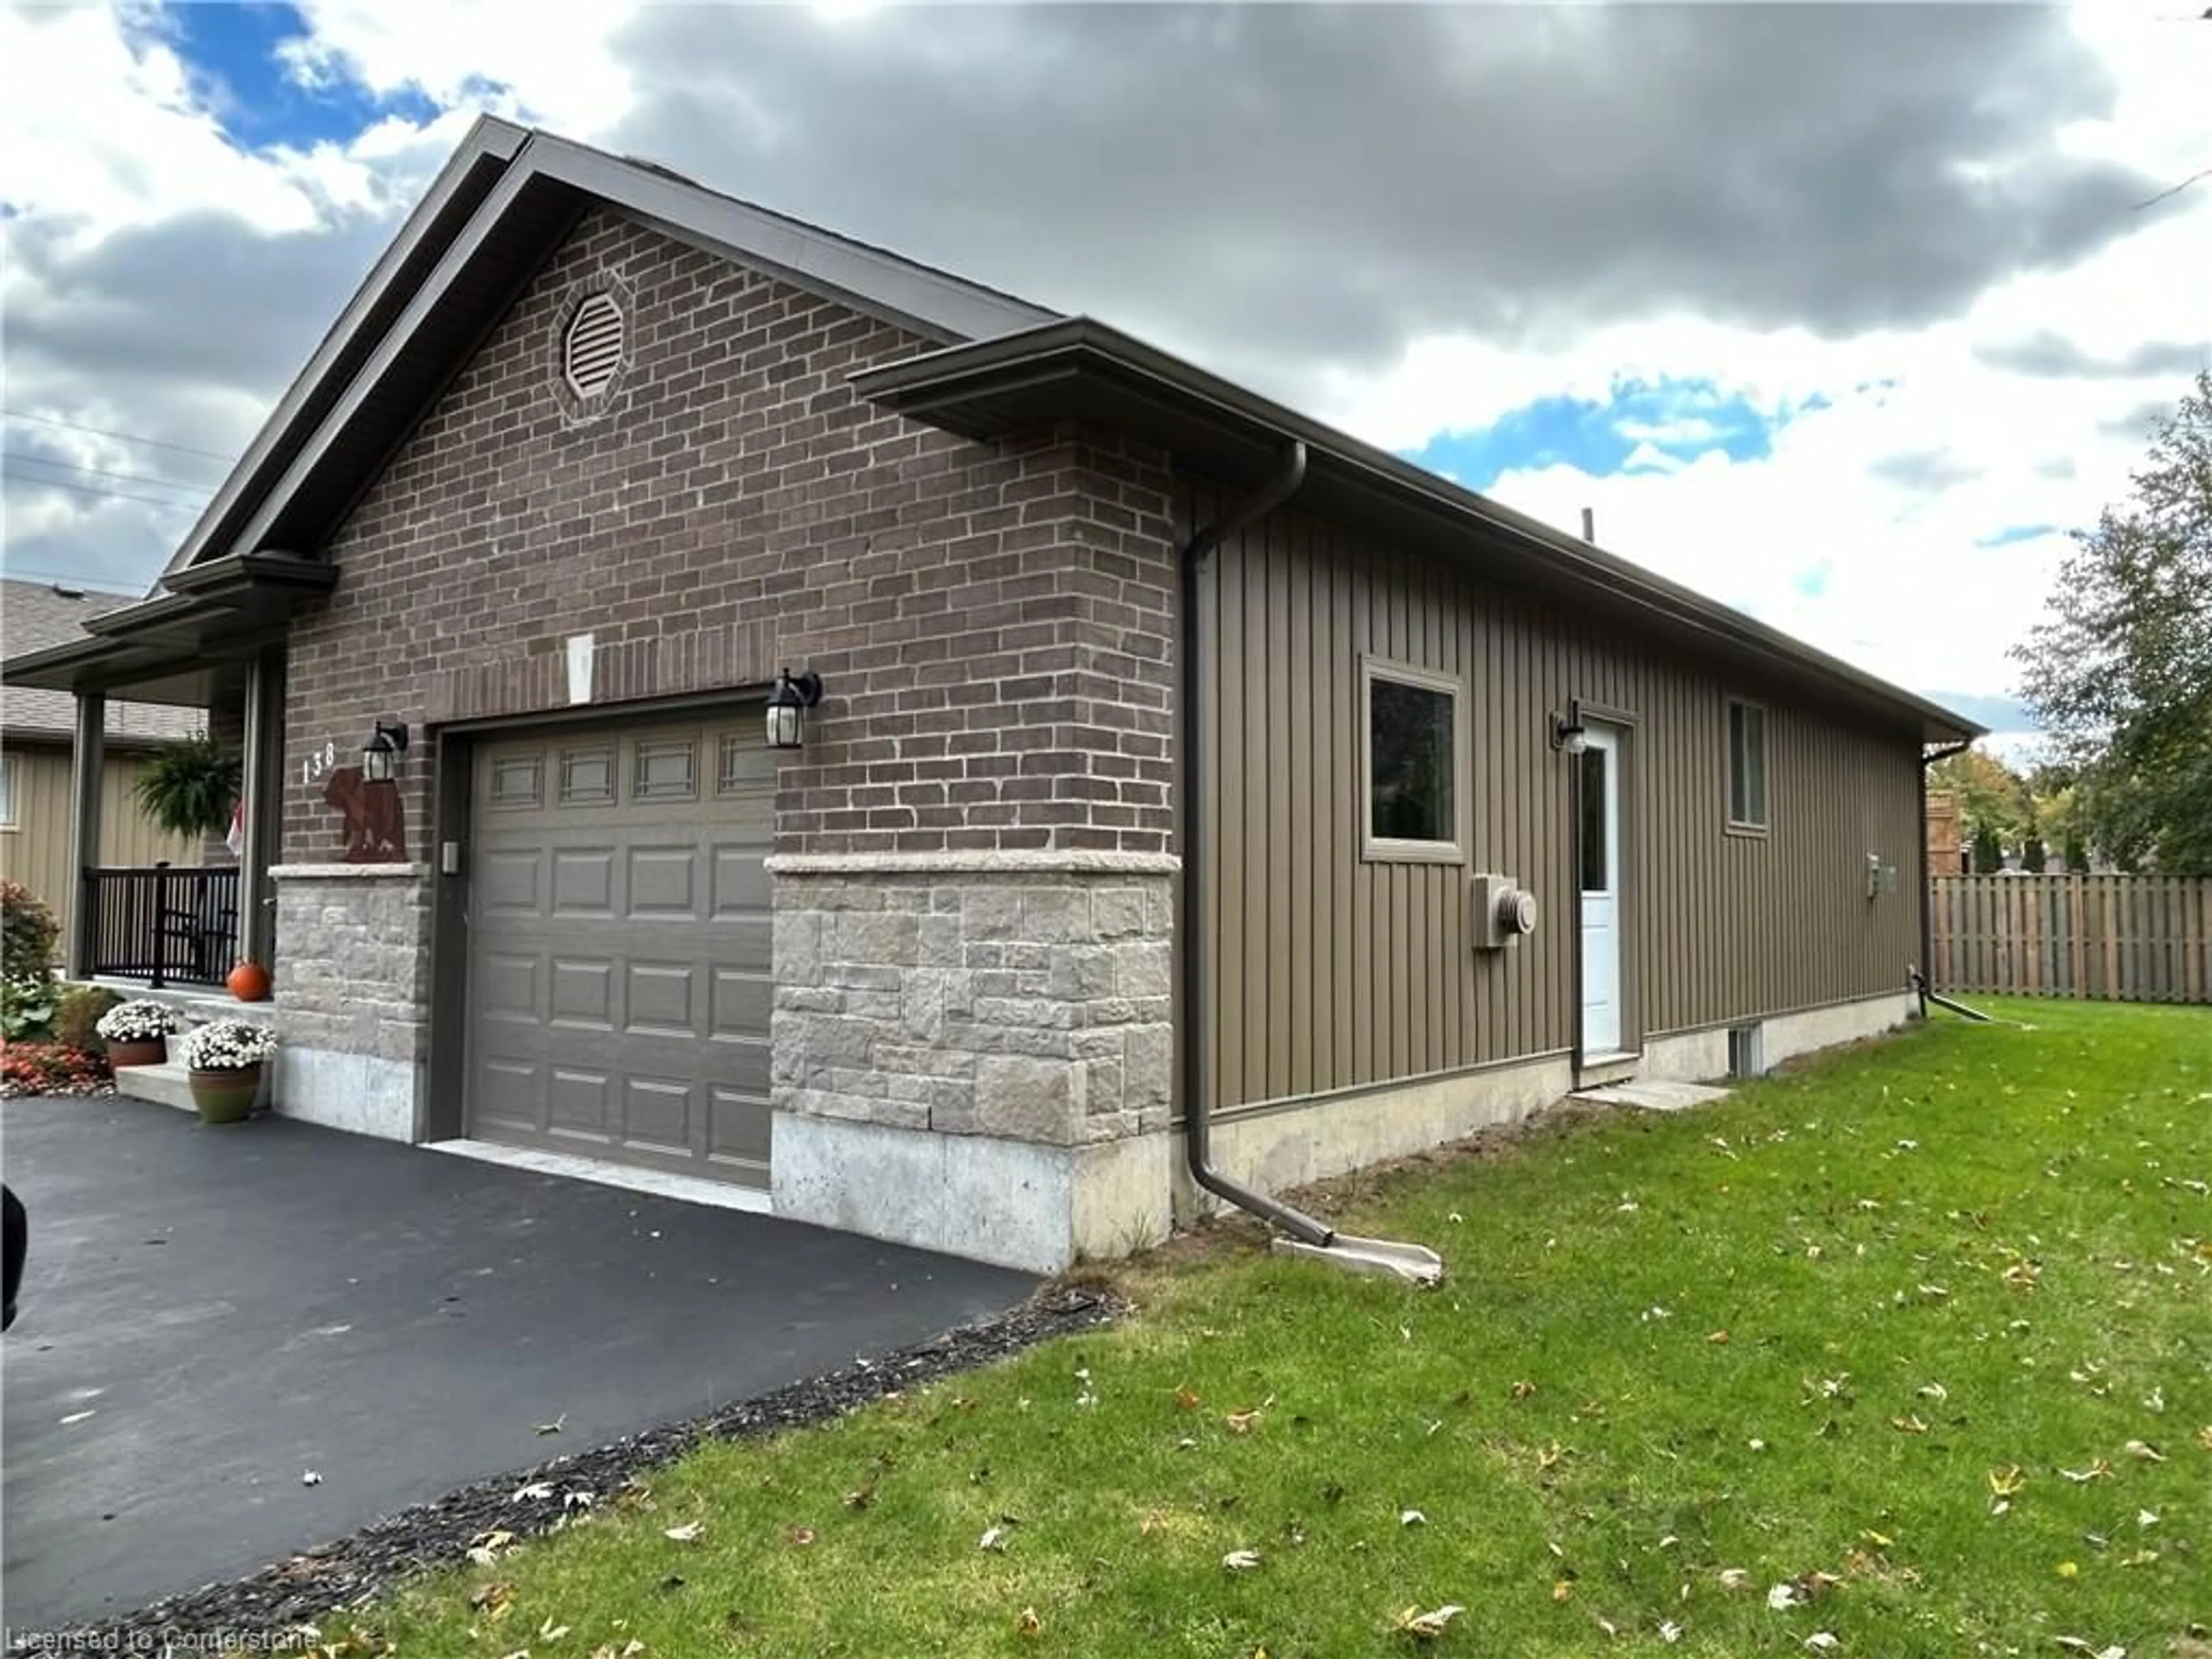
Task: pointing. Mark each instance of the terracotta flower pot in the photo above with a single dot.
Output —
(226, 1097)
(144, 1051)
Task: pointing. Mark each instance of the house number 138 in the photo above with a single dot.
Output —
(315, 765)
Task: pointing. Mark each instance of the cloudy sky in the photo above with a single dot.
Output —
(1841, 314)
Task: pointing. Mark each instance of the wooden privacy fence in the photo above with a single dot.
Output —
(2122, 938)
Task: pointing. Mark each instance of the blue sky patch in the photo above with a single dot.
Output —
(256, 96)
(1642, 426)
(2019, 532)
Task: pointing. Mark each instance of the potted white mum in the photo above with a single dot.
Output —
(223, 1060)
(137, 1033)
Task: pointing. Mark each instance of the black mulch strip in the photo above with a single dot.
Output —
(351, 1571)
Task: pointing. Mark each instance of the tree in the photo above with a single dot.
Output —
(2119, 673)
(1994, 805)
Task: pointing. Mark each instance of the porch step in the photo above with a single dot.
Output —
(1652, 1095)
(166, 1083)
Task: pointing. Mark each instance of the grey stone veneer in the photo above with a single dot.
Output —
(353, 954)
(1000, 996)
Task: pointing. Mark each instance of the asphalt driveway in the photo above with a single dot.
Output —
(208, 1313)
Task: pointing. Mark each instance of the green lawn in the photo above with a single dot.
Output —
(1925, 1329)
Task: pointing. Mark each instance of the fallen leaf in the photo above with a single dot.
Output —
(1240, 1560)
(1934, 1391)
(309, 1479)
(2007, 1483)
(1717, 1337)
(1242, 1422)
(485, 1547)
(2068, 1569)
(2076, 1645)
(686, 1533)
(1185, 1399)
(1029, 1624)
(577, 1498)
(861, 1497)
(551, 1631)
(1822, 1641)
(1879, 1541)
(1411, 1518)
(994, 1538)
(1670, 1631)
(1427, 1626)
(1783, 1596)
(801, 1537)
(535, 1491)
(1523, 1390)
(1735, 1578)
(2149, 1453)
(555, 1425)
(2145, 1518)
(491, 1597)
(1562, 1589)
(1908, 1425)
(2100, 1469)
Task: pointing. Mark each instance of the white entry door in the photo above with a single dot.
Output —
(1598, 856)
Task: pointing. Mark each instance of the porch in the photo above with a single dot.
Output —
(213, 642)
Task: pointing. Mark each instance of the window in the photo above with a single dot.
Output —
(1746, 766)
(1411, 737)
(1597, 865)
(6, 792)
(588, 776)
(665, 770)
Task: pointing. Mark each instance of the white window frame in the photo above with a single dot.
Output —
(6, 792)
(1390, 850)
(1764, 807)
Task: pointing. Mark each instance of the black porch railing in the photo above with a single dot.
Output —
(163, 924)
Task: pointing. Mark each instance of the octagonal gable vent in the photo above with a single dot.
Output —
(591, 352)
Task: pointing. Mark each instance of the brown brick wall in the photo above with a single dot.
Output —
(992, 622)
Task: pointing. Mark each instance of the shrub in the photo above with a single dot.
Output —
(27, 933)
(76, 1020)
(50, 1069)
(27, 1007)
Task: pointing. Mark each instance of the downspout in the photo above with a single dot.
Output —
(1196, 1120)
(1919, 975)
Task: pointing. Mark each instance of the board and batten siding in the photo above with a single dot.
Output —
(34, 845)
(1328, 972)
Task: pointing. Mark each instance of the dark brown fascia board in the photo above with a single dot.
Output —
(932, 302)
(267, 570)
(490, 140)
(933, 387)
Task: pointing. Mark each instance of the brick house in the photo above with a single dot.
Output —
(1196, 801)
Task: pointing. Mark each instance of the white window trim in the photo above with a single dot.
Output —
(1387, 849)
(1763, 823)
(6, 792)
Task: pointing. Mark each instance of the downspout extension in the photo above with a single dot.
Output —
(1197, 1124)
(1918, 975)
(1303, 1236)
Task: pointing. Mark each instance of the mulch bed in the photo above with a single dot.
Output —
(351, 1571)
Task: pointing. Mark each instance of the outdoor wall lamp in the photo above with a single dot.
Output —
(787, 705)
(379, 755)
(1568, 736)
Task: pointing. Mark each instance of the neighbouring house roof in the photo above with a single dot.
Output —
(38, 617)
(511, 195)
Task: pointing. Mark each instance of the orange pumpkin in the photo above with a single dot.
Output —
(249, 982)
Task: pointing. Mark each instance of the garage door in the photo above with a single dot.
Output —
(619, 943)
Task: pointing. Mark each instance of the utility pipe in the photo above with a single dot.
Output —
(1929, 758)
(1196, 1121)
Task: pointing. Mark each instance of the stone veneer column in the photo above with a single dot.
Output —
(974, 1051)
(352, 983)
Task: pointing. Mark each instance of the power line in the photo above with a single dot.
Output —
(17, 455)
(114, 494)
(121, 437)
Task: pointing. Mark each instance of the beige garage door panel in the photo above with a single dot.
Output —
(619, 944)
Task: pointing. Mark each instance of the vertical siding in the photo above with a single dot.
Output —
(35, 851)
(1328, 972)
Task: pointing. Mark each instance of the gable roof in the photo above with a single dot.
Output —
(511, 195)
(507, 199)
(39, 616)
(1077, 367)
